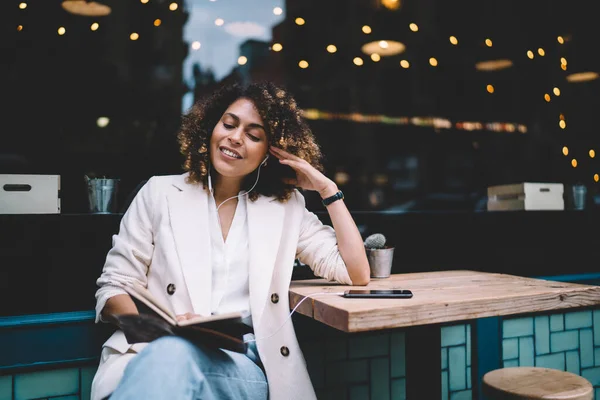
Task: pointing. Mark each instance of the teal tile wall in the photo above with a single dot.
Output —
(360, 366)
(566, 341)
(456, 362)
(55, 384)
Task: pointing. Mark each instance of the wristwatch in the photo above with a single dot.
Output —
(338, 196)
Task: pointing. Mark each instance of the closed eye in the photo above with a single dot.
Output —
(253, 138)
(228, 126)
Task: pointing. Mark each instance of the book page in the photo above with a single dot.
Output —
(236, 316)
(142, 294)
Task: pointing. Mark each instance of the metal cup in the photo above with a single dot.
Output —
(579, 193)
(380, 261)
(102, 195)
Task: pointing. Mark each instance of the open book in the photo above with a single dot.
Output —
(156, 320)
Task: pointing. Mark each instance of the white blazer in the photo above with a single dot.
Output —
(164, 240)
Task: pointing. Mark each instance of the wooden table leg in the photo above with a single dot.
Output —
(423, 362)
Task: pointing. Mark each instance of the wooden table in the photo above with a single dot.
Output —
(439, 297)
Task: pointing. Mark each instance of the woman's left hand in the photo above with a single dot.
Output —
(307, 176)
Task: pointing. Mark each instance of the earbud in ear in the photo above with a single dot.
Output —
(264, 163)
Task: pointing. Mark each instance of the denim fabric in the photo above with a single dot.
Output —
(174, 368)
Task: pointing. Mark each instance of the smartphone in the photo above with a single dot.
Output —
(379, 294)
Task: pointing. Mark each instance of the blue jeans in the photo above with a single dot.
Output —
(174, 368)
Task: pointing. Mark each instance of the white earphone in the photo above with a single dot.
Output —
(257, 176)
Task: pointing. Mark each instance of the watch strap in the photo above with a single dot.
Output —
(328, 200)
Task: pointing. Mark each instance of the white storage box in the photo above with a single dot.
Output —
(29, 194)
(526, 196)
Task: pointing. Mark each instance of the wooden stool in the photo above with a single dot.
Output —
(528, 383)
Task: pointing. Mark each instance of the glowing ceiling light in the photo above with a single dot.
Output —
(366, 29)
(358, 61)
(547, 97)
(433, 62)
(391, 4)
(19, 28)
(530, 54)
(556, 91)
(582, 76)
(574, 163)
(493, 65)
(596, 177)
(173, 6)
(242, 60)
(375, 57)
(303, 64)
(562, 123)
(144, 1)
(300, 21)
(331, 48)
(219, 22)
(196, 45)
(95, 26)
(560, 40)
(413, 27)
(563, 61)
(453, 40)
(277, 47)
(404, 64)
(565, 150)
(157, 22)
(62, 30)
(22, 6)
(541, 52)
(277, 11)
(134, 36)
(102, 122)
(488, 42)
(489, 88)
(592, 153)
(383, 48)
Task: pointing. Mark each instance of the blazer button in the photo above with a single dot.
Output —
(171, 288)
(284, 351)
(274, 298)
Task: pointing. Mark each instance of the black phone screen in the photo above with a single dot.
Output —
(379, 293)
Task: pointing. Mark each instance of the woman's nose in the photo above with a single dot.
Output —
(236, 136)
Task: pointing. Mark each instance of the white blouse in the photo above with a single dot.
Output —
(230, 278)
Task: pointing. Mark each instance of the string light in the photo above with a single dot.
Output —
(62, 30)
(173, 6)
(530, 54)
(22, 6)
(331, 48)
(375, 57)
(134, 36)
(596, 177)
(592, 153)
(196, 45)
(547, 97)
(453, 40)
(413, 27)
(358, 61)
(565, 150)
(144, 1)
(157, 22)
(219, 21)
(366, 29)
(277, 11)
(562, 123)
(433, 62)
(490, 89)
(300, 21)
(574, 163)
(303, 64)
(556, 91)
(277, 47)
(19, 28)
(560, 40)
(541, 52)
(488, 42)
(94, 26)
(404, 64)
(242, 60)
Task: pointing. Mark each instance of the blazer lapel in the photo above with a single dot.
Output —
(265, 226)
(188, 212)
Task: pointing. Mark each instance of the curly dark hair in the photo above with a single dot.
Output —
(284, 123)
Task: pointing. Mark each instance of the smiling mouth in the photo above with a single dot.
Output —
(230, 153)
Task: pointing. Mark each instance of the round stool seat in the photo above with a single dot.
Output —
(520, 383)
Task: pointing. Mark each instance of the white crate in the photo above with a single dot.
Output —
(29, 194)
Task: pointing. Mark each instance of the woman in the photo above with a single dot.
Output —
(223, 237)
